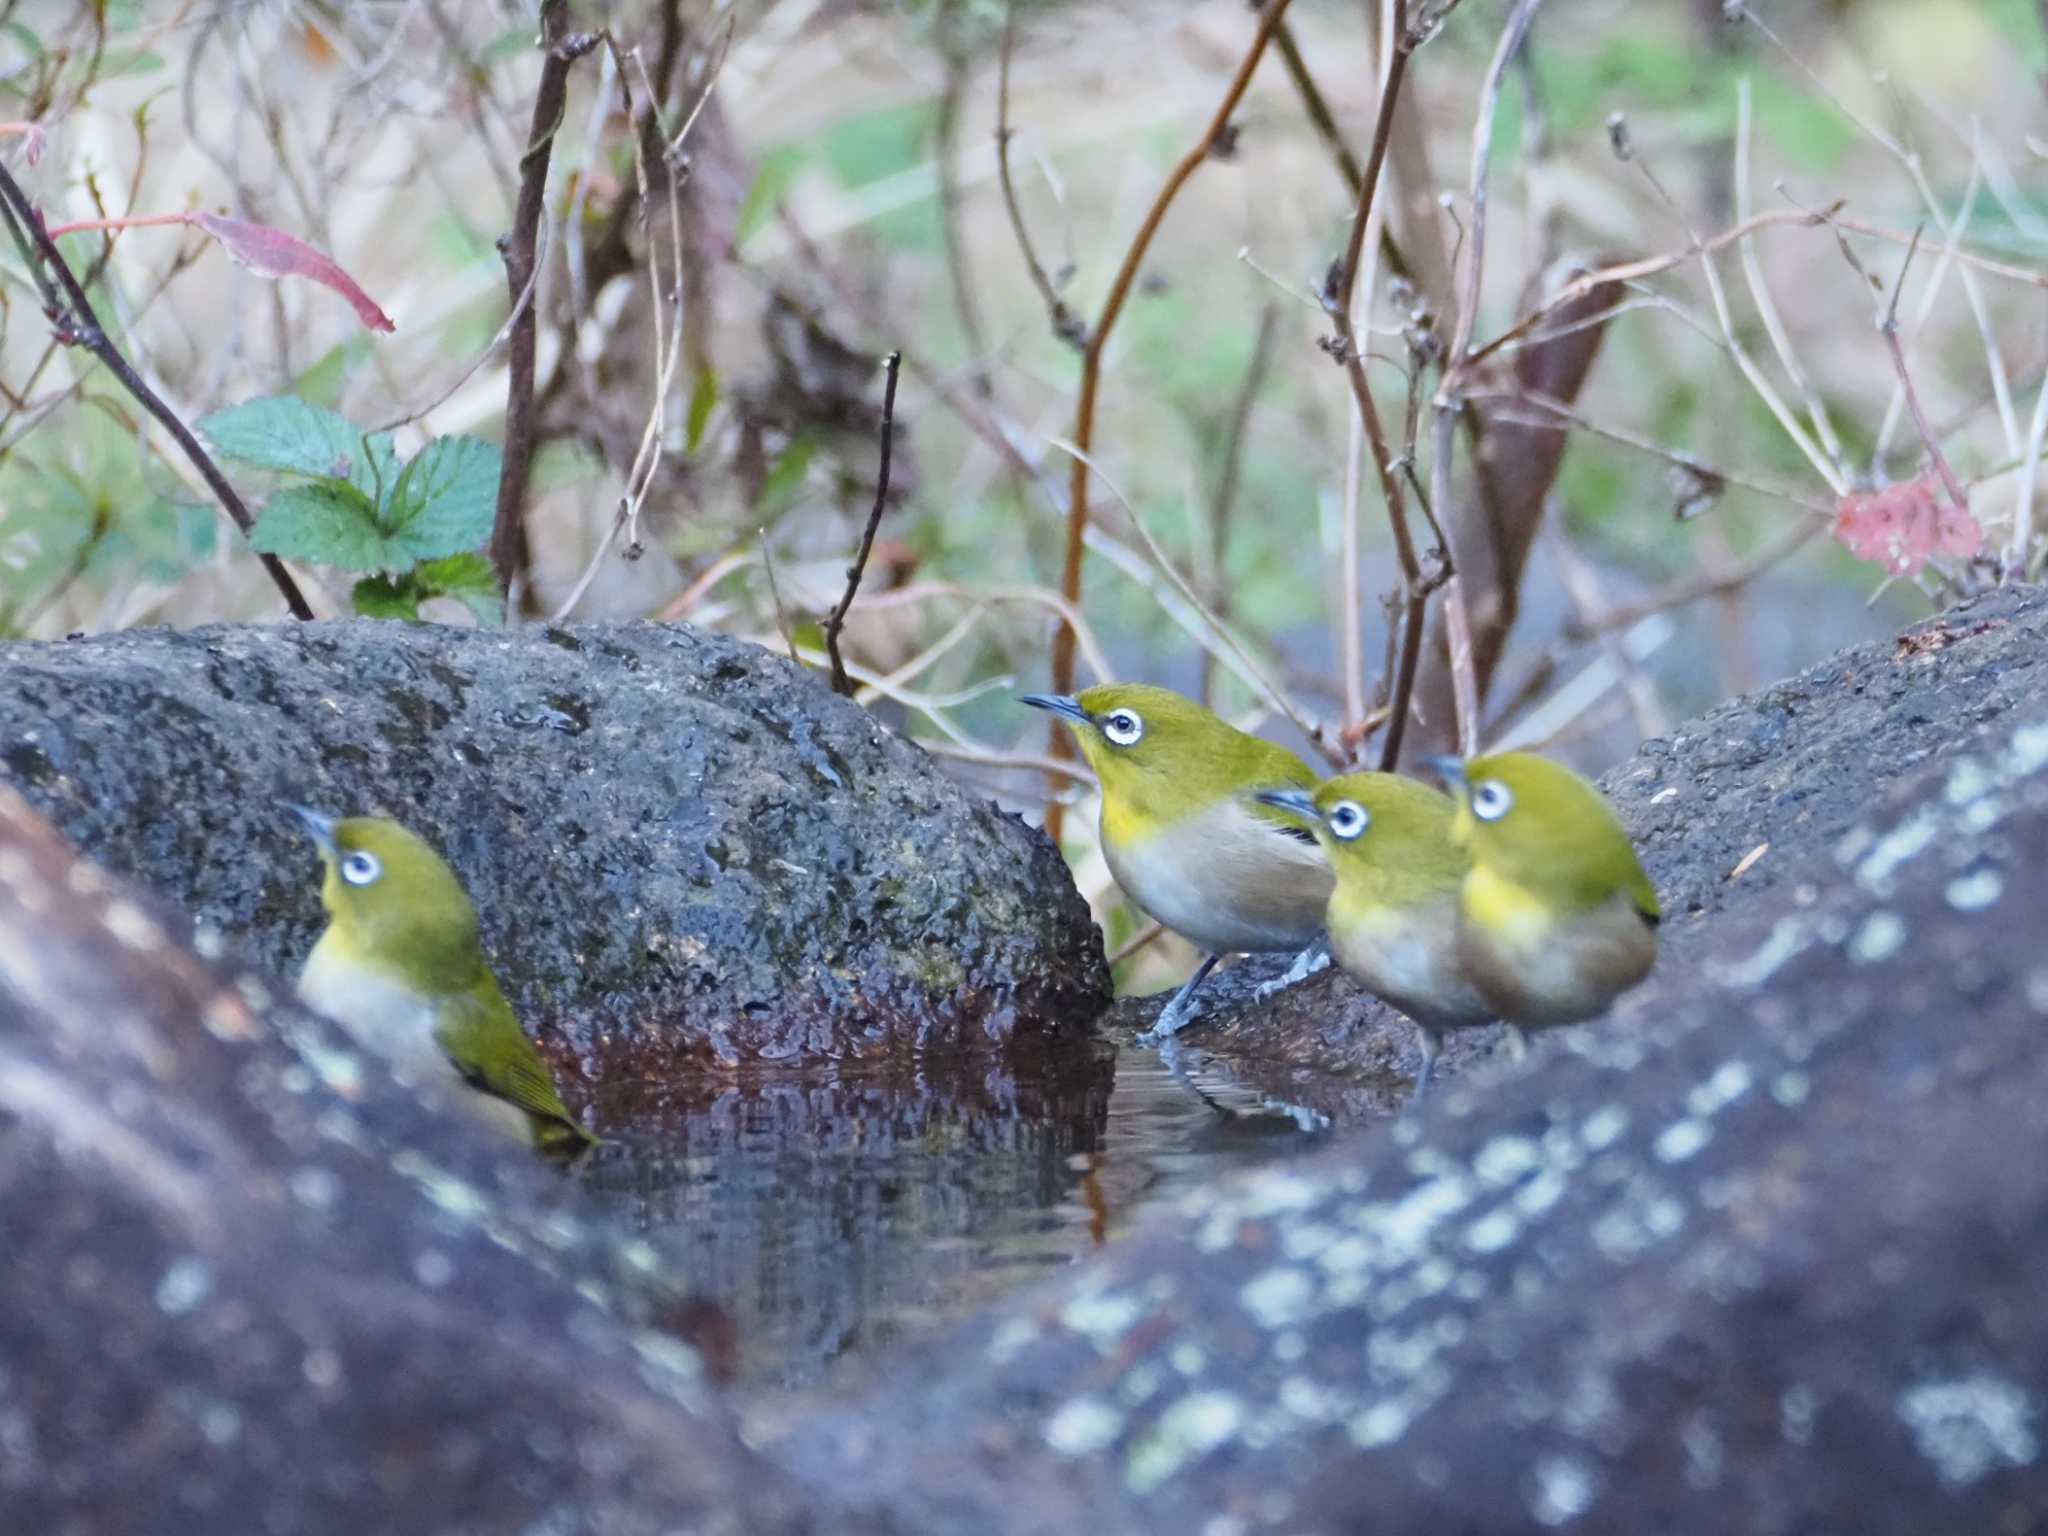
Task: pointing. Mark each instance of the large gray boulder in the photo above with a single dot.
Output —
(1762, 1252)
(252, 1284)
(681, 846)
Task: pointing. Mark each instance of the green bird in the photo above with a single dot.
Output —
(399, 966)
(1184, 837)
(1556, 918)
(1393, 918)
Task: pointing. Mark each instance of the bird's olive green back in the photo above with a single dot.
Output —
(1187, 759)
(481, 1035)
(1559, 837)
(1405, 856)
(413, 922)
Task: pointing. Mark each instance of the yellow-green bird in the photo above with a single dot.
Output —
(399, 966)
(1184, 837)
(1393, 918)
(1556, 917)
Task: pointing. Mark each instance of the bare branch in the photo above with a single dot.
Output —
(837, 621)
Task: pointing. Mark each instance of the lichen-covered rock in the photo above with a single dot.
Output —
(1722, 811)
(1761, 1252)
(252, 1284)
(679, 844)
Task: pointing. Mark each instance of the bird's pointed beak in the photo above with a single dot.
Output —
(1065, 705)
(1450, 769)
(1299, 801)
(318, 827)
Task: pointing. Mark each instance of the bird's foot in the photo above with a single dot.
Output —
(1306, 964)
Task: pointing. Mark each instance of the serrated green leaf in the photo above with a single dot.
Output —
(470, 579)
(386, 597)
(325, 522)
(446, 499)
(703, 400)
(291, 436)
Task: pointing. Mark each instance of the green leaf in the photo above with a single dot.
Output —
(470, 579)
(786, 476)
(326, 522)
(294, 437)
(703, 400)
(387, 597)
(778, 169)
(446, 499)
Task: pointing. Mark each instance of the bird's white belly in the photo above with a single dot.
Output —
(382, 1015)
(1228, 881)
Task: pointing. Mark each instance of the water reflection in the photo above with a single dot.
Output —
(834, 1213)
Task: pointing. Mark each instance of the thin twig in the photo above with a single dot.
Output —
(1066, 325)
(2019, 548)
(1889, 326)
(1464, 681)
(509, 550)
(945, 154)
(73, 320)
(1225, 503)
(1091, 357)
(837, 621)
(1700, 584)
(1325, 124)
(775, 598)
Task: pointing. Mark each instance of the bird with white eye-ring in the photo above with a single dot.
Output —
(1183, 836)
(1556, 918)
(1393, 916)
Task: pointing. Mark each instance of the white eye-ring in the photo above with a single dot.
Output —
(1123, 727)
(1347, 819)
(1491, 800)
(360, 867)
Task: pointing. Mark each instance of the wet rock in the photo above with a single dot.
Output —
(1758, 785)
(1760, 1252)
(680, 846)
(251, 1284)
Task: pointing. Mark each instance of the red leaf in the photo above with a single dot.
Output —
(1901, 525)
(273, 253)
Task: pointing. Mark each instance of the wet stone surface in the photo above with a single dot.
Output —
(681, 848)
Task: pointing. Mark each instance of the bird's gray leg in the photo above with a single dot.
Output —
(1431, 1043)
(1306, 964)
(1175, 1015)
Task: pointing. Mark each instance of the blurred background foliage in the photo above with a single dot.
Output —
(837, 196)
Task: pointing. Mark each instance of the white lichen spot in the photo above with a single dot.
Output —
(1405, 1227)
(1224, 1525)
(1188, 1359)
(1493, 1231)
(1881, 935)
(1791, 1088)
(1349, 1255)
(132, 926)
(1704, 1457)
(208, 942)
(1540, 1193)
(2037, 989)
(1142, 1383)
(1603, 1127)
(1011, 1339)
(2028, 753)
(221, 1424)
(1731, 1080)
(321, 1367)
(1279, 1298)
(1681, 1139)
(1971, 1425)
(1907, 841)
(433, 1268)
(1506, 1159)
(1565, 1488)
(1975, 891)
(1796, 1409)
(667, 1355)
(1289, 1346)
(1787, 938)
(1381, 1424)
(315, 1187)
(1967, 780)
(1083, 1427)
(184, 1286)
(1101, 1316)
(1185, 1433)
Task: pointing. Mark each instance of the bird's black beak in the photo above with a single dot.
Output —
(1065, 705)
(318, 827)
(1450, 769)
(1299, 801)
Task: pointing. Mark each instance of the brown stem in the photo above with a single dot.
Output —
(72, 315)
(1091, 361)
(510, 552)
(841, 683)
(1889, 325)
(1226, 484)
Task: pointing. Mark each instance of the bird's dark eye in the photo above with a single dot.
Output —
(1491, 800)
(1348, 819)
(1123, 727)
(360, 868)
